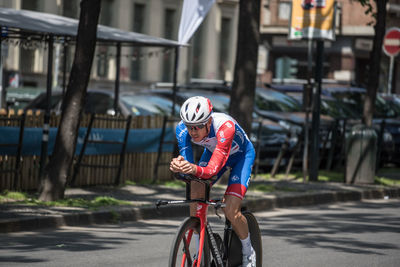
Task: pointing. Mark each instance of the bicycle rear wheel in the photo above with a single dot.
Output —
(235, 247)
(183, 248)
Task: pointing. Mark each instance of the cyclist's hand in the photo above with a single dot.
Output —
(188, 168)
(176, 163)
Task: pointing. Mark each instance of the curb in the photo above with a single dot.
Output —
(125, 214)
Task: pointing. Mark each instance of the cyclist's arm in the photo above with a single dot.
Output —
(184, 142)
(225, 136)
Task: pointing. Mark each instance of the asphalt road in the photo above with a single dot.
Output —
(345, 234)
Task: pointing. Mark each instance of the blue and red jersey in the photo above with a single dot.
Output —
(226, 145)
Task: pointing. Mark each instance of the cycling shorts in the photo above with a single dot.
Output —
(241, 165)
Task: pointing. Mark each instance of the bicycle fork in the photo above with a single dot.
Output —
(205, 229)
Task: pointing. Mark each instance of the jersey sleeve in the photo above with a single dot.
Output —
(184, 144)
(225, 136)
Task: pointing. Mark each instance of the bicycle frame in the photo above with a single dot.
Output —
(221, 258)
(201, 213)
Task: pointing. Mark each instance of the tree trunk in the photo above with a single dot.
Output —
(375, 57)
(245, 74)
(53, 184)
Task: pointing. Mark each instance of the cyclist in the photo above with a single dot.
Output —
(226, 145)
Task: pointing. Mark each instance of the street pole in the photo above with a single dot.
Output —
(175, 81)
(389, 91)
(117, 78)
(2, 93)
(306, 107)
(46, 127)
(314, 160)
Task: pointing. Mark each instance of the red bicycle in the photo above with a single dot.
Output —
(212, 249)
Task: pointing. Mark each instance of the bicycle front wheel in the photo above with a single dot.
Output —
(183, 250)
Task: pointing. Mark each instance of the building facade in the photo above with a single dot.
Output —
(212, 50)
(210, 54)
(345, 60)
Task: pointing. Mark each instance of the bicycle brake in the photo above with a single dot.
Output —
(218, 206)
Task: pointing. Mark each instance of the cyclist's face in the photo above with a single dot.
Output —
(199, 132)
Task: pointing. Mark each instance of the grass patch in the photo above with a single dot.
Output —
(330, 176)
(324, 176)
(174, 184)
(128, 182)
(281, 176)
(23, 198)
(338, 176)
(262, 188)
(11, 195)
(386, 181)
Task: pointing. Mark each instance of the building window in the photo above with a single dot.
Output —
(102, 61)
(197, 46)
(138, 26)
(27, 57)
(169, 33)
(224, 47)
(70, 9)
(284, 11)
(103, 51)
(106, 12)
(286, 67)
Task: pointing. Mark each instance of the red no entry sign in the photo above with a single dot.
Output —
(391, 42)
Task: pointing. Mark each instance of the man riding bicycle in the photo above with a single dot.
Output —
(226, 145)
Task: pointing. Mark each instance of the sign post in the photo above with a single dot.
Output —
(313, 20)
(391, 47)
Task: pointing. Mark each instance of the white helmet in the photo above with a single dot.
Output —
(196, 110)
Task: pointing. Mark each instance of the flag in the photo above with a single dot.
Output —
(193, 13)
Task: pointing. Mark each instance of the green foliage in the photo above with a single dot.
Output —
(128, 182)
(386, 181)
(175, 184)
(11, 195)
(369, 7)
(330, 176)
(262, 187)
(101, 201)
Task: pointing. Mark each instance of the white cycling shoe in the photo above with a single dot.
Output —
(249, 261)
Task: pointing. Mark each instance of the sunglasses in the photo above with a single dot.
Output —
(195, 127)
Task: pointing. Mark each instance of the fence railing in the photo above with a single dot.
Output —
(137, 165)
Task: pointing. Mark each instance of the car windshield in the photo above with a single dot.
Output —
(395, 105)
(275, 101)
(145, 104)
(337, 109)
(219, 101)
(355, 101)
(40, 101)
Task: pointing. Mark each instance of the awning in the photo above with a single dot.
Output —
(36, 25)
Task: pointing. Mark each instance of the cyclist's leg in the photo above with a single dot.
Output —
(238, 183)
(239, 180)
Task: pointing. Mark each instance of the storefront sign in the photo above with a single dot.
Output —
(312, 19)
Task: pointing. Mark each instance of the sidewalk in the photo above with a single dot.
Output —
(286, 194)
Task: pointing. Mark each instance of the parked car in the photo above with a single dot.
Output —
(353, 97)
(272, 135)
(102, 102)
(393, 101)
(347, 103)
(288, 111)
(18, 98)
